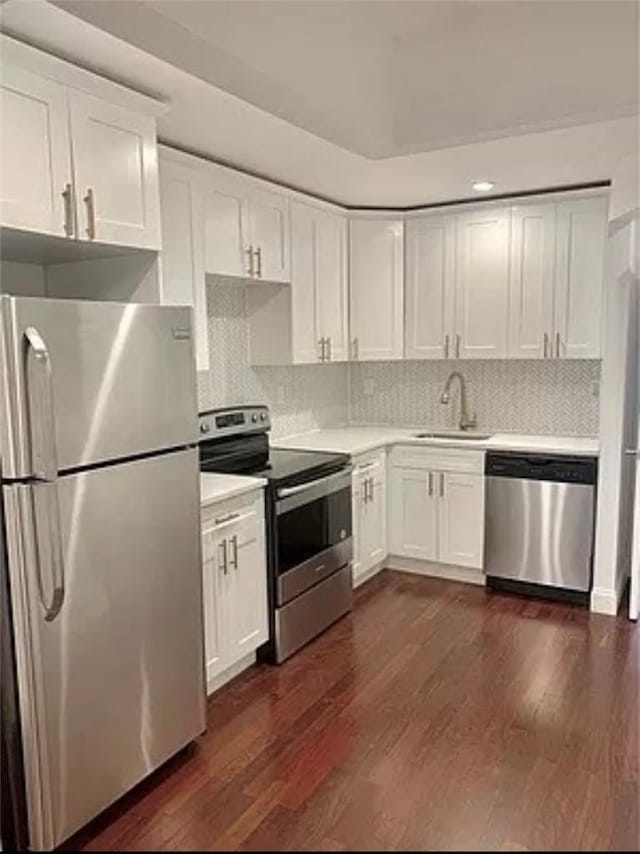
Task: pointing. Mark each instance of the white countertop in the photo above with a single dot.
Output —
(357, 440)
(218, 487)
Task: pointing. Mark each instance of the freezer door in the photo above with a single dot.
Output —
(114, 684)
(95, 381)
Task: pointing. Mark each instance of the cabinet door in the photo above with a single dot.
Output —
(413, 514)
(182, 270)
(217, 602)
(376, 288)
(376, 521)
(581, 235)
(116, 173)
(270, 235)
(533, 230)
(305, 336)
(430, 284)
(461, 519)
(358, 510)
(482, 284)
(248, 571)
(331, 284)
(226, 226)
(35, 153)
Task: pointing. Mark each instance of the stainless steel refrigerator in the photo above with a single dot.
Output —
(98, 425)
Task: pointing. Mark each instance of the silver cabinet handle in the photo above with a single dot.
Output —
(365, 490)
(557, 345)
(355, 349)
(321, 346)
(430, 484)
(457, 346)
(546, 345)
(441, 485)
(258, 254)
(249, 252)
(221, 520)
(371, 485)
(446, 346)
(234, 551)
(90, 202)
(48, 546)
(329, 349)
(224, 563)
(44, 461)
(68, 211)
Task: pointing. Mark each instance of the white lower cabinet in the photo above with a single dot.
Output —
(234, 584)
(369, 505)
(437, 506)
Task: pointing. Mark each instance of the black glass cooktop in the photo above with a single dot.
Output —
(281, 466)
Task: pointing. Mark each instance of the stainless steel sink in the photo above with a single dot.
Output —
(454, 434)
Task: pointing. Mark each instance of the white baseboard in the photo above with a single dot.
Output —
(230, 673)
(374, 570)
(606, 600)
(436, 570)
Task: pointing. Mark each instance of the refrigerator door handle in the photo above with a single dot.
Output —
(40, 400)
(48, 547)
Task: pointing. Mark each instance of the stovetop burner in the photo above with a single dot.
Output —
(235, 441)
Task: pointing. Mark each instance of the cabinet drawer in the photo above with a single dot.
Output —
(240, 516)
(371, 464)
(438, 459)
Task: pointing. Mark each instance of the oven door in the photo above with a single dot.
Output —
(313, 533)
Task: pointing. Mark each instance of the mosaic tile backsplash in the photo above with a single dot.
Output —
(511, 396)
(557, 397)
(301, 398)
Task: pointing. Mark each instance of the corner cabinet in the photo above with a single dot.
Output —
(376, 284)
(369, 513)
(437, 505)
(74, 165)
(234, 585)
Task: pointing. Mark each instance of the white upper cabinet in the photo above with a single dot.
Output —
(482, 284)
(226, 225)
(332, 301)
(35, 177)
(116, 173)
(183, 281)
(306, 341)
(269, 235)
(79, 154)
(430, 287)
(581, 234)
(376, 288)
(318, 285)
(531, 321)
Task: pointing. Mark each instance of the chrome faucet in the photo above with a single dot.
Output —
(467, 422)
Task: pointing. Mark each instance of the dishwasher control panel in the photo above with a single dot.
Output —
(552, 467)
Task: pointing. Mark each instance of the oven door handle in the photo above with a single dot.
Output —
(288, 491)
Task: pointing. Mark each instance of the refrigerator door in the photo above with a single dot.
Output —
(113, 685)
(93, 381)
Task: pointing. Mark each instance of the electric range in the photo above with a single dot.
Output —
(308, 523)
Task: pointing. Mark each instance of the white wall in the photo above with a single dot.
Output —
(619, 394)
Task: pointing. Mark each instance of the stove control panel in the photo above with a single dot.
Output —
(216, 423)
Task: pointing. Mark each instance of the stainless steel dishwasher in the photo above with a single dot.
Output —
(540, 523)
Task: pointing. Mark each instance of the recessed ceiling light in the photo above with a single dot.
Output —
(483, 186)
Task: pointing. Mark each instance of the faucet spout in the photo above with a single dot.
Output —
(467, 421)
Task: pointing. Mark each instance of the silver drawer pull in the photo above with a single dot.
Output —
(221, 520)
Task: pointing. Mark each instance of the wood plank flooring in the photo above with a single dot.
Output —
(435, 716)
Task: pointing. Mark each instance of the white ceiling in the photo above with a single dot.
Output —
(384, 78)
(207, 119)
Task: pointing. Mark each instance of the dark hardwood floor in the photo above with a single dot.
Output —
(436, 716)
